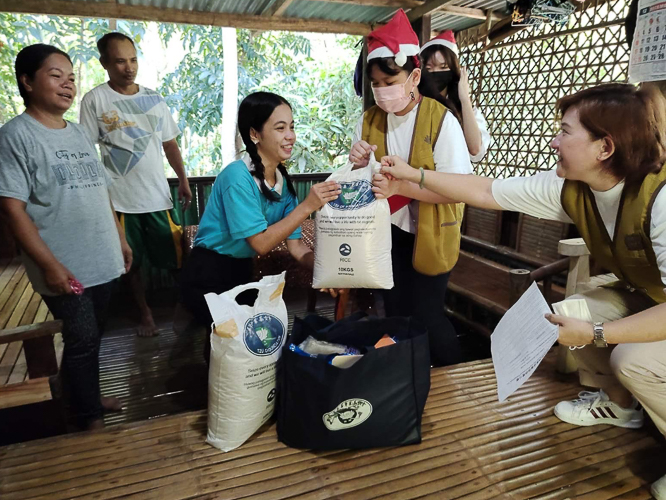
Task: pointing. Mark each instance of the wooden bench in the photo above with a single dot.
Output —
(501, 254)
(30, 355)
(275, 261)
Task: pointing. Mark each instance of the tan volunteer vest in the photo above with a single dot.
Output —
(438, 227)
(629, 254)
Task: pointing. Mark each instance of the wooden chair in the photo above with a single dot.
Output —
(31, 402)
(489, 276)
(274, 262)
(578, 280)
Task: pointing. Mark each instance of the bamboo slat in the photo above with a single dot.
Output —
(473, 447)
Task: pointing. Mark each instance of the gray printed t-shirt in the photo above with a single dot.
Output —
(57, 173)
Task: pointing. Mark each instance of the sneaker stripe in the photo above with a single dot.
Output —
(610, 412)
(601, 412)
(594, 414)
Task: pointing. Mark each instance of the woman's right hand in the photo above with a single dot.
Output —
(360, 153)
(57, 279)
(322, 193)
(399, 169)
(463, 85)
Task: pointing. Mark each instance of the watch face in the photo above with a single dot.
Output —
(599, 339)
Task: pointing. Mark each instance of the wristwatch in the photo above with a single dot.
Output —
(599, 339)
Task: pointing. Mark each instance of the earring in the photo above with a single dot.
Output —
(412, 96)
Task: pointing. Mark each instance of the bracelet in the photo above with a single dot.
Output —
(422, 178)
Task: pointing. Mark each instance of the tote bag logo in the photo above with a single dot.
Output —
(349, 413)
(354, 195)
(263, 334)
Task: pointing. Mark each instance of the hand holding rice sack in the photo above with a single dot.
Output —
(608, 181)
(412, 124)
(252, 207)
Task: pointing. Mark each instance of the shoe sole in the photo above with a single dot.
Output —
(631, 424)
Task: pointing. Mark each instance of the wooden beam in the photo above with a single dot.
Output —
(427, 8)
(422, 28)
(144, 13)
(48, 328)
(277, 9)
(405, 4)
(368, 96)
(468, 12)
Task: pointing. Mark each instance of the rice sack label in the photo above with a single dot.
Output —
(353, 236)
(264, 334)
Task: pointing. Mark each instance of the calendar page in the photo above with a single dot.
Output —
(648, 53)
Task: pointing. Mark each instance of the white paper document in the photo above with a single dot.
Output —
(648, 52)
(520, 341)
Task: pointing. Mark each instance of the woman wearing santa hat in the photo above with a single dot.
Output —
(411, 121)
(440, 58)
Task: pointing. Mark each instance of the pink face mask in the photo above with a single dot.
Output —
(394, 98)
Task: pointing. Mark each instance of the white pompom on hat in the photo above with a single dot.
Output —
(395, 39)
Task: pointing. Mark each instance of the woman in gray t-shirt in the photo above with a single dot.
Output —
(54, 194)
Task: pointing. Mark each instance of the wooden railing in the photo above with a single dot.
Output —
(202, 186)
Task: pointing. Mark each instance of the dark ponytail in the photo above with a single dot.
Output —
(427, 86)
(253, 113)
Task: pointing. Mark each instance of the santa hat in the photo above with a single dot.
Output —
(394, 39)
(446, 38)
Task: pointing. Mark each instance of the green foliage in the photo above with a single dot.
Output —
(325, 109)
(320, 89)
(75, 36)
(321, 92)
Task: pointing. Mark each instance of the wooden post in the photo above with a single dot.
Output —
(579, 263)
(368, 97)
(519, 281)
(40, 357)
(422, 27)
(579, 273)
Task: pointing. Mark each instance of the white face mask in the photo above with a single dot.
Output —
(393, 98)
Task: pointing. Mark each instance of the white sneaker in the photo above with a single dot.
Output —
(658, 489)
(595, 408)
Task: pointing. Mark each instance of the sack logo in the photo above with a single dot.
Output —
(347, 414)
(263, 334)
(353, 195)
(345, 249)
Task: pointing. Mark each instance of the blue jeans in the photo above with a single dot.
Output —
(83, 319)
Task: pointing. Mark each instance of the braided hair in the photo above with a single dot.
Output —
(253, 113)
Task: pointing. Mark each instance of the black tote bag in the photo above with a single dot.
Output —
(376, 402)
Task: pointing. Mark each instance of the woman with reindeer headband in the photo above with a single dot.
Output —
(411, 121)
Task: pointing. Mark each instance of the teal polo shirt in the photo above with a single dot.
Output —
(237, 210)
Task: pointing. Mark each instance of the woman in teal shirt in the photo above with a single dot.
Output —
(252, 207)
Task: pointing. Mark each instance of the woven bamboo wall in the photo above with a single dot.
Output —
(516, 82)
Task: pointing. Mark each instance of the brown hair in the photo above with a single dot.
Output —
(634, 119)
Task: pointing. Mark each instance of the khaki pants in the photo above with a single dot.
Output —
(640, 368)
